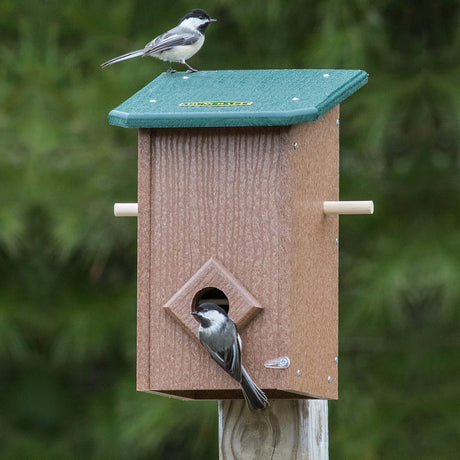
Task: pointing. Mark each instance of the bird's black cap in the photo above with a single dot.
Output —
(197, 13)
(206, 306)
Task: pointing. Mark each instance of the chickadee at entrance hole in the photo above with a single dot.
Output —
(210, 294)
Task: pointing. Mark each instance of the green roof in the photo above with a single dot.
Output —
(237, 98)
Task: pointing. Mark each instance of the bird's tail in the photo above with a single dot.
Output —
(254, 396)
(123, 57)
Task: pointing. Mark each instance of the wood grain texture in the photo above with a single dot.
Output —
(253, 201)
(287, 430)
(217, 193)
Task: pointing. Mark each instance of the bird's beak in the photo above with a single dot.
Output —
(212, 20)
(196, 315)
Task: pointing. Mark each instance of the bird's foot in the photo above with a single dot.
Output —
(171, 70)
(190, 68)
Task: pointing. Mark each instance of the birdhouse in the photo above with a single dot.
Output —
(238, 205)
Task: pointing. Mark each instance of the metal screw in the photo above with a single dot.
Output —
(284, 362)
(336, 359)
(295, 145)
(337, 241)
(329, 379)
(298, 372)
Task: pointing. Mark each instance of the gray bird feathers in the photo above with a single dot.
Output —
(175, 45)
(219, 336)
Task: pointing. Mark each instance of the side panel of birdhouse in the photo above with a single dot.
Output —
(314, 290)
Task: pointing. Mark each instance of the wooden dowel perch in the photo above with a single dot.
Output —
(329, 207)
(348, 207)
(125, 209)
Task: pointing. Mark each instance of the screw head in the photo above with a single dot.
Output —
(284, 362)
(336, 359)
(299, 373)
(329, 379)
(295, 145)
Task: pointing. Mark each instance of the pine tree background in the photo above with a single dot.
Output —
(68, 267)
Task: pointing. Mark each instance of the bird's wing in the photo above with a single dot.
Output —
(235, 367)
(179, 36)
(232, 359)
(228, 359)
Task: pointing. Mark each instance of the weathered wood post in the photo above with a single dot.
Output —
(289, 429)
(238, 202)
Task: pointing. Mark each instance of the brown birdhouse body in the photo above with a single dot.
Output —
(233, 213)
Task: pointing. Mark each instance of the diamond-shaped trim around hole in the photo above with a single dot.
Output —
(242, 305)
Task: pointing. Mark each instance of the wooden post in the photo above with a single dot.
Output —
(288, 429)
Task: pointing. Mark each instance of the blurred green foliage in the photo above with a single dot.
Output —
(68, 268)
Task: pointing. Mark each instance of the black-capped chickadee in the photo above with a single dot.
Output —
(176, 45)
(218, 334)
